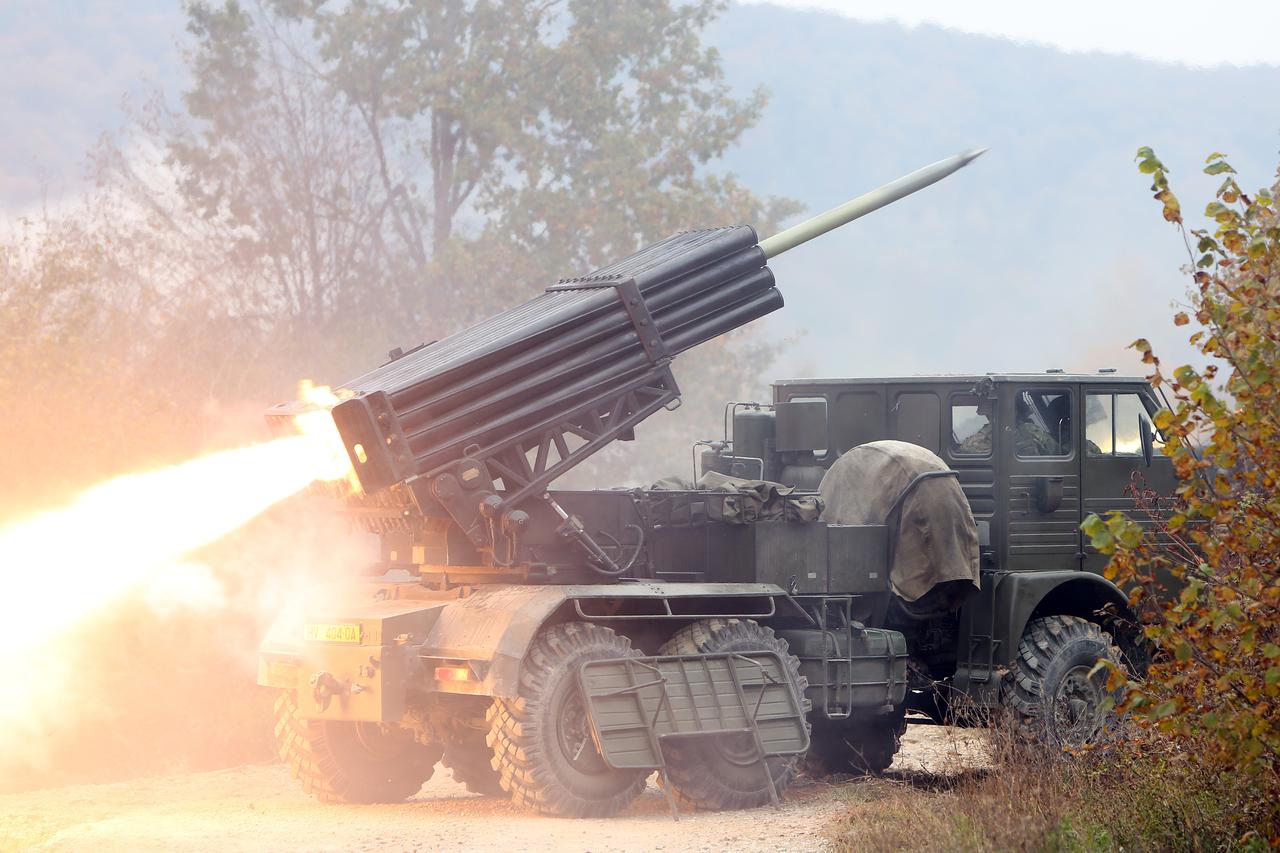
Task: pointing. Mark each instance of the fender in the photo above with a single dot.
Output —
(491, 629)
(992, 622)
(1022, 596)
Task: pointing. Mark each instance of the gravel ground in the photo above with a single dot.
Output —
(259, 808)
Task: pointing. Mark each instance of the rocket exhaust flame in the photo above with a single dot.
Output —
(130, 534)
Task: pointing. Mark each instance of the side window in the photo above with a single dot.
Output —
(1042, 423)
(970, 427)
(1098, 424)
(1129, 412)
(1112, 427)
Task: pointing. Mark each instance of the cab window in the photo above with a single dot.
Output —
(1099, 424)
(1042, 423)
(1112, 424)
(970, 427)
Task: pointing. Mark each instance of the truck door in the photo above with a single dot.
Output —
(1041, 490)
(1113, 459)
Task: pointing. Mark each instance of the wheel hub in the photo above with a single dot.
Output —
(1077, 707)
(573, 731)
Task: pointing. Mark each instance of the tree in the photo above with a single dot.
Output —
(1215, 683)
(425, 162)
(348, 177)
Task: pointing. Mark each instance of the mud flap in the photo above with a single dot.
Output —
(635, 704)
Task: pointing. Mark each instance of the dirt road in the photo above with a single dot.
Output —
(259, 808)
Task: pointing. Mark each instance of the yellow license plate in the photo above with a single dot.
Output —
(333, 633)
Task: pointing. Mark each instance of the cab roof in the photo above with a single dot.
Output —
(971, 378)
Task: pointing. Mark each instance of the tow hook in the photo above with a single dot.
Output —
(324, 687)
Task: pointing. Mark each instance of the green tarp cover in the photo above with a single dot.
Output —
(740, 501)
(934, 539)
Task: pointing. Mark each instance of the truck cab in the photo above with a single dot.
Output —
(1036, 452)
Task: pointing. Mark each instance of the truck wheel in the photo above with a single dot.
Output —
(866, 748)
(725, 773)
(469, 758)
(349, 762)
(544, 751)
(1051, 690)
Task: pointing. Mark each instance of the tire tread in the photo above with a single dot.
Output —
(1043, 639)
(303, 745)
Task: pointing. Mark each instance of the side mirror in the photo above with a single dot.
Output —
(1148, 439)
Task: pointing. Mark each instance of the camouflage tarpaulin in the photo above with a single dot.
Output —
(934, 539)
(755, 500)
(741, 501)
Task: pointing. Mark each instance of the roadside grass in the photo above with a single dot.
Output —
(1149, 799)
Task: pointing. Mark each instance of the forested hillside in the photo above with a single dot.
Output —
(1039, 256)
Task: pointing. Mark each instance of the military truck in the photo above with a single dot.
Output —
(846, 557)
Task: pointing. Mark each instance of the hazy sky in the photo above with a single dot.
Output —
(1244, 32)
(64, 64)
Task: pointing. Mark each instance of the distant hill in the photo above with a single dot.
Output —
(1047, 252)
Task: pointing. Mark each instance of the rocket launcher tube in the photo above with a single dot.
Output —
(567, 350)
(866, 203)
(549, 317)
(517, 416)
(616, 355)
(682, 328)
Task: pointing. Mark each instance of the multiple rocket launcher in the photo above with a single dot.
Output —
(525, 395)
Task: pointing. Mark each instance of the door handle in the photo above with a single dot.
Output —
(1049, 494)
(1044, 496)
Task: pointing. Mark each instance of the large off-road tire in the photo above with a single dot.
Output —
(543, 748)
(859, 749)
(470, 760)
(346, 762)
(725, 773)
(1052, 691)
